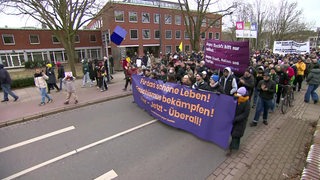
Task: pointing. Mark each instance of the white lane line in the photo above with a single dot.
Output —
(108, 176)
(37, 139)
(76, 151)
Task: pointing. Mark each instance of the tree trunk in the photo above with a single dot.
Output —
(70, 50)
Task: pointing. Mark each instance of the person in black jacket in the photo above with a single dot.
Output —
(266, 88)
(240, 119)
(214, 85)
(200, 84)
(247, 81)
(5, 83)
(60, 74)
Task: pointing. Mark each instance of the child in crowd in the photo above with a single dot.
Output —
(70, 88)
(40, 81)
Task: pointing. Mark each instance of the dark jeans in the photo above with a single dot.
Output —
(298, 80)
(311, 91)
(7, 91)
(262, 106)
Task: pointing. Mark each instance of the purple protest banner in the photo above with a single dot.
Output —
(204, 114)
(221, 54)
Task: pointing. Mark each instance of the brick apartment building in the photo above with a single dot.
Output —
(144, 20)
(20, 45)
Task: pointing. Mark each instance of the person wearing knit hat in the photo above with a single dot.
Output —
(214, 85)
(52, 80)
(240, 119)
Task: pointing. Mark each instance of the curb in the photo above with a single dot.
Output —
(62, 109)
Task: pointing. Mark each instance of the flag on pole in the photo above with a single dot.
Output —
(180, 46)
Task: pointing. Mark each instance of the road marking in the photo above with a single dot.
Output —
(76, 151)
(37, 139)
(108, 176)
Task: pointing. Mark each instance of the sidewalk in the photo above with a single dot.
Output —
(27, 107)
(276, 151)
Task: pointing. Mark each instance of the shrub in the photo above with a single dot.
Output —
(34, 64)
(23, 82)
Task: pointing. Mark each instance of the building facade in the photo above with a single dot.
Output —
(18, 46)
(151, 28)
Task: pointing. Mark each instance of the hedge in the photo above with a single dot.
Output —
(23, 82)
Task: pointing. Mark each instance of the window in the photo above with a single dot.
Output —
(146, 33)
(168, 49)
(156, 18)
(204, 22)
(55, 40)
(217, 35)
(34, 39)
(168, 34)
(217, 24)
(133, 17)
(178, 34)
(119, 16)
(178, 20)
(156, 34)
(77, 39)
(133, 34)
(186, 35)
(93, 38)
(210, 35)
(167, 19)
(203, 35)
(145, 17)
(186, 48)
(8, 39)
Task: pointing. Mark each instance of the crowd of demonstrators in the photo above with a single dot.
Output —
(264, 81)
(5, 83)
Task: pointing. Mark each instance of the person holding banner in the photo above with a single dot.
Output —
(214, 85)
(200, 84)
(240, 119)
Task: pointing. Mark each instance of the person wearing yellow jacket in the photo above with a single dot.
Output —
(301, 67)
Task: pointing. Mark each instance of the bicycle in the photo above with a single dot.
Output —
(287, 98)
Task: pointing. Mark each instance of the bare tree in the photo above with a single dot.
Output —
(194, 18)
(286, 20)
(63, 17)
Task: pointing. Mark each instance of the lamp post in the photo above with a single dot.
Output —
(160, 34)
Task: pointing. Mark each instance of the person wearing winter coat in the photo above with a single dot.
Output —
(247, 81)
(51, 78)
(266, 88)
(60, 73)
(200, 84)
(313, 81)
(5, 83)
(214, 85)
(228, 82)
(240, 119)
(40, 81)
(301, 67)
(70, 88)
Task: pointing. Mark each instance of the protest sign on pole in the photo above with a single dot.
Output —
(246, 30)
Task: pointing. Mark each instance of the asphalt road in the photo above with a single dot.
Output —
(106, 140)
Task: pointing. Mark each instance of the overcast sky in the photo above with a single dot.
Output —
(310, 12)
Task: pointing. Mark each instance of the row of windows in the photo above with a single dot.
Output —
(8, 39)
(146, 34)
(146, 18)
